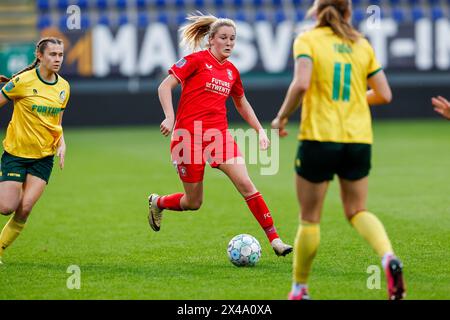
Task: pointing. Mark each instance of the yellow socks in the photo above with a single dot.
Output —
(305, 248)
(9, 233)
(371, 229)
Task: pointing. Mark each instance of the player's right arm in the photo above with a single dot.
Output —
(165, 98)
(380, 91)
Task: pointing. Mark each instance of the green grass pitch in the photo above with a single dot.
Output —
(94, 215)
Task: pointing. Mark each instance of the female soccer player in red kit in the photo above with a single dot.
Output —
(200, 129)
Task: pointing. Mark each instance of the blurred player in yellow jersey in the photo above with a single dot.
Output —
(334, 65)
(34, 135)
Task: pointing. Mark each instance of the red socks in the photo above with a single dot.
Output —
(259, 209)
(171, 202)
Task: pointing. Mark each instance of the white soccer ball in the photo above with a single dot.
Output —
(244, 250)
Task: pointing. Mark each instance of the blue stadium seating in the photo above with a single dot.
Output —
(238, 3)
(44, 21)
(280, 16)
(43, 5)
(358, 15)
(437, 12)
(299, 15)
(163, 17)
(219, 3)
(62, 4)
(296, 3)
(257, 3)
(141, 4)
(123, 19)
(398, 14)
(83, 4)
(180, 3)
(104, 19)
(417, 13)
(121, 4)
(199, 4)
(181, 17)
(160, 4)
(395, 2)
(143, 20)
(221, 13)
(260, 15)
(102, 4)
(241, 16)
(277, 3)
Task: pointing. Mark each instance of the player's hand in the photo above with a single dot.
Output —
(264, 141)
(166, 126)
(280, 124)
(61, 153)
(441, 106)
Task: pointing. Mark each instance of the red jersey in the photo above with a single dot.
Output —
(206, 84)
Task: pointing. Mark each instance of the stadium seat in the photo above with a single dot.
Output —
(141, 4)
(163, 18)
(257, 3)
(102, 4)
(413, 2)
(374, 2)
(356, 3)
(238, 3)
(299, 15)
(121, 4)
(358, 15)
(219, 3)
(221, 13)
(44, 21)
(395, 2)
(43, 5)
(180, 3)
(417, 13)
(104, 20)
(123, 19)
(199, 4)
(143, 20)
(160, 3)
(241, 16)
(62, 5)
(437, 12)
(83, 4)
(398, 14)
(260, 16)
(296, 3)
(181, 18)
(434, 2)
(280, 16)
(277, 3)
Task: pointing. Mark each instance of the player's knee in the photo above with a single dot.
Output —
(247, 187)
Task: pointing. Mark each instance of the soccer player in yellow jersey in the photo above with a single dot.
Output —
(334, 65)
(34, 135)
(441, 106)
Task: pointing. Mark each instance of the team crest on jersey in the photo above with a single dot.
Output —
(17, 79)
(62, 95)
(230, 74)
(180, 63)
(35, 92)
(182, 171)
(9, 86)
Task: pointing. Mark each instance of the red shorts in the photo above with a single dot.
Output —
(189, 154)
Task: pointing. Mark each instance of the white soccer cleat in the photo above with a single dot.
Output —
(280, 248)
(154, 213)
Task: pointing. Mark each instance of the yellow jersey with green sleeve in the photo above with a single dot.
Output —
(335, 107)
(34, 130)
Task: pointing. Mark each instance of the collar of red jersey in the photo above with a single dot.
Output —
(217, 60)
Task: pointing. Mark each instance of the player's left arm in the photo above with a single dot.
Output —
(441, 106)
(3, 100)
(248, 114)
(294, 96)
(61, 151)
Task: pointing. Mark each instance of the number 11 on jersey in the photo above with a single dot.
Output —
(337, 81)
